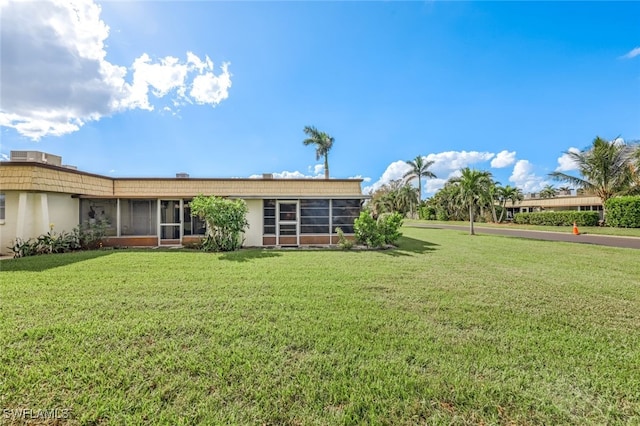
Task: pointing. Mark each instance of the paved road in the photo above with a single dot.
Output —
(603, 240)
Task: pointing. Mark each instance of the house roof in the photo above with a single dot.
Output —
(35, 176)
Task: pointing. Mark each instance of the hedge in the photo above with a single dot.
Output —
(623, 212)
(563, 218)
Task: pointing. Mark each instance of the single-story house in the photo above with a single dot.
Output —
(37, 191)
(562, 202)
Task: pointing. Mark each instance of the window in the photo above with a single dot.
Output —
(2, 205)
(100, 211)
(139, 217)
(314, 216)
(193, 225)
(269, 217)
(343, 213)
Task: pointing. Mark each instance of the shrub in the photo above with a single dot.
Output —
(226, 221)
(51, 242)
(91, 234)
(562, 218)
(366, 230)
(343, 242)
(427, 213)
(442, 215)
(623, 212)
(376, 233)
(389, 226)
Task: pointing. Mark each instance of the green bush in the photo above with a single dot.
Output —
(226, 221)
(389, 227)
(90, 235)
(366, 231)
(51, 242)
(427, 213)
(377, 233)
(562, 218)
(442, 215)
(343, 242)
(623, 212)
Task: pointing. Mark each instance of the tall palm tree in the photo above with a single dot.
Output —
(606, 169)
(473, 186)
(564, 190)
(492, 196)
(419, 170)
(323, 143)
(548, 192)
(407, 199)
(509, 193)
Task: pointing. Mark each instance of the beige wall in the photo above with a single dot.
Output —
(64, 212)
(41, 210)
(253, 236)
(8, 227)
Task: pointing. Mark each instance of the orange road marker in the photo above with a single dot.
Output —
(575, 229)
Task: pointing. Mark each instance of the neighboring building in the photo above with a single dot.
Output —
(533, 203)
(37, 191)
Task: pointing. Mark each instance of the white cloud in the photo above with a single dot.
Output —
(394, 171)
(565, 163)
(503, 159)
(524, 177)
(364, 179)
(632, 53)
(316, 169)
(446, 165)
(55, 77)
(212, 89)
(446, 162)
(295, 174)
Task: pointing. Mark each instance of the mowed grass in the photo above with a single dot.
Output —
(448, 329)
(596, 230)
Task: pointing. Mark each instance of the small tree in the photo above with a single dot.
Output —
(226, 221)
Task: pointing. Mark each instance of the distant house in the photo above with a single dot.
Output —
(563, 201)
(36, 190)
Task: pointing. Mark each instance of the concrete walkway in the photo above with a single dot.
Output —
(602, 240)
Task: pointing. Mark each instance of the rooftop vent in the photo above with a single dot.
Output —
(267, 176)
(36, 157)
(182, 175)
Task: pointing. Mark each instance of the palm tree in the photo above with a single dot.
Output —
(548, 192)
(407, 199)
(419, 170)
(473, 186)
(323, 143)
(492, 196)
(508, 193)
(606, 169)
(564, 190)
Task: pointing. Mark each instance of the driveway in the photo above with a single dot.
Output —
(602, 240)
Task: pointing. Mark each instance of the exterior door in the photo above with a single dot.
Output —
(287, 229)
(170, 232)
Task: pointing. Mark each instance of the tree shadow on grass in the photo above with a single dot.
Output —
(49, 261)
(410, 246)
(247, 255)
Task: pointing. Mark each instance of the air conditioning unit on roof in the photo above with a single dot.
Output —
(36, 157)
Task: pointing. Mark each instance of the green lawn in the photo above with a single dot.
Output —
(449, 329)
(600, 230)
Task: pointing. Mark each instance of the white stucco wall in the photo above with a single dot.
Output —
(64, 212)
(253, 236)
(8, 227)
(40, 210)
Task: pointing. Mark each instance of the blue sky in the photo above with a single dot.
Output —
(222, 89)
